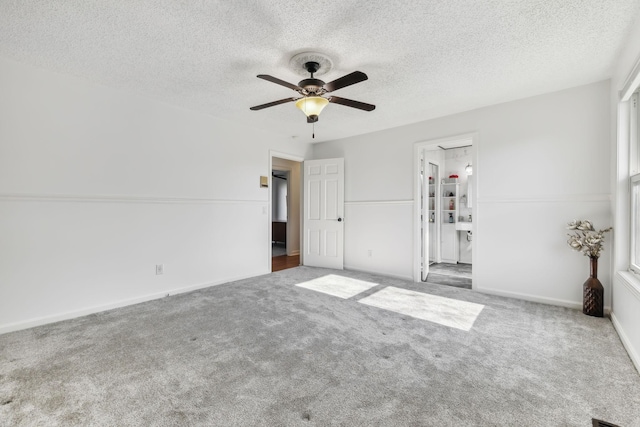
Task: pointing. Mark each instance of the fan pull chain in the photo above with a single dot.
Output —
(313, 132)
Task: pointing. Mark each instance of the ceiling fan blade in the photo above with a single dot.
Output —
(271, 104)
(351, 103)
(344, 81)
(278, 81)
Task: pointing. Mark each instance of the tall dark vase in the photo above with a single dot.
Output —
(593, 292)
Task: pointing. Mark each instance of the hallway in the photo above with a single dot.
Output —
(283, 262)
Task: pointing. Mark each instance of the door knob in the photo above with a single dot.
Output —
(339, 219)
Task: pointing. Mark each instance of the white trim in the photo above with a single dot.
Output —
(570, 198)
(96, 198)
(631, 282)
(621, 205)
(634, 187)
(635, 357)
(11, 327)
(631, 83)
(380, 273)
(448, 141)
(634, 164)
(286, 156)
(535, 298)
(380, 202)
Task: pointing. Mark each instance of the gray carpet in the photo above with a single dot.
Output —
(263, 352)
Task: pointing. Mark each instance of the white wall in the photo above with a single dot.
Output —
(626, 286)
(98, 186)
(372, 227)
(541, 162)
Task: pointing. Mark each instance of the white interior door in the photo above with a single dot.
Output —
(430, 231)
(324, 213)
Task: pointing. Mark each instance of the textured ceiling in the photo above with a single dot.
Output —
(424, 58)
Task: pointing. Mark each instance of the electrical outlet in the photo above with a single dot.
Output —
(159, 269)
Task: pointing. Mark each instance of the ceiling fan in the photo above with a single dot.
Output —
(311, 101)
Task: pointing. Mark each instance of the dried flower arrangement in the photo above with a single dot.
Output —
(586, 239)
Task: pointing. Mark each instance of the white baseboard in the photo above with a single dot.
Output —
(381, 273)
(635, 358)
(294, 253)
(577, 305)
(17, 326)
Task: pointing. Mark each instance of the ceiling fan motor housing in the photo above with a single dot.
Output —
(313, 86)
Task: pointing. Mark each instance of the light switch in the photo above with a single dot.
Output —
(264, 182)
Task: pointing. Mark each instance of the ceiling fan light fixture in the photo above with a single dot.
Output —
(312, 105)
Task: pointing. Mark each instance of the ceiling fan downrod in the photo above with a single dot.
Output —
(312, 86)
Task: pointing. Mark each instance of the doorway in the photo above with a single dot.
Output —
(285, 214)
(444, 211)
(279, 211)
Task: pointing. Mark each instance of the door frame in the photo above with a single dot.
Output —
(447, 142)
(294, 158)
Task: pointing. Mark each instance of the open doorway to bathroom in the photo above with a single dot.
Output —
(445, 178)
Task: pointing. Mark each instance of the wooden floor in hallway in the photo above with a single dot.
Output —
(283, 262)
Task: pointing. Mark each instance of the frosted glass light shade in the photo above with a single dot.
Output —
(312, 105)
(469, 169)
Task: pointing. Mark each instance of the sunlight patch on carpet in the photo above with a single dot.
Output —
(445, 311)
(338, 286)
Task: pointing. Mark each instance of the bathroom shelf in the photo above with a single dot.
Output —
(450, 194)
(432, 201)
(449, 236)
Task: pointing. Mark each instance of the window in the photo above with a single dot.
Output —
(634, 185)
(635, 224)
